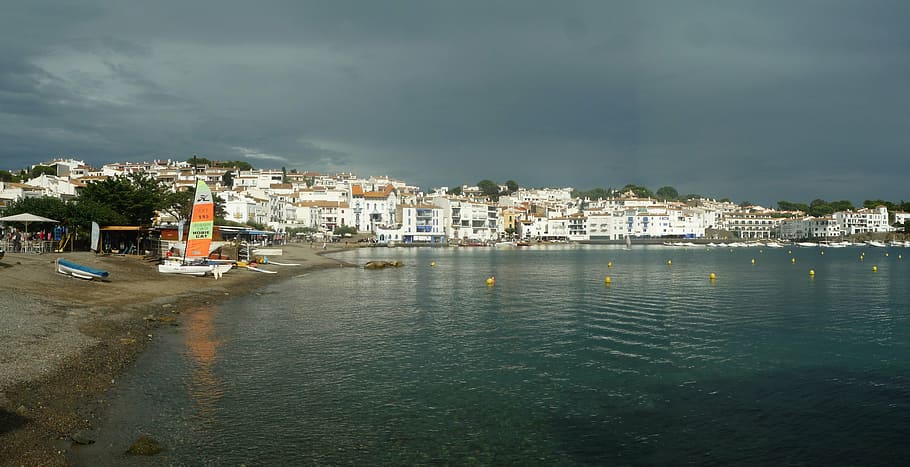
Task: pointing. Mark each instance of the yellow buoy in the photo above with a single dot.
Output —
(874, 268)
(609, 264)
(886, 253)
(753, 260)
(433, 263)
(712, 276)
(812, 272)
(861, 258)
(607, 280)
(793, 260)
(669, 262)
(491, 280)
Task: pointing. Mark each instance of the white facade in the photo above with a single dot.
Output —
(53, 186)
(901, 217)
(421, 224)
(237, 206)
(751, 225)
(372, 209)
(863, 221)
(469, 220)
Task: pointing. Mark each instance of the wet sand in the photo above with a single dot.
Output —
(65, 341)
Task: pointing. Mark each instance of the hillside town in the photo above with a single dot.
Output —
(392, 212)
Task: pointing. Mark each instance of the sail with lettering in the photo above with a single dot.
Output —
(202, 223)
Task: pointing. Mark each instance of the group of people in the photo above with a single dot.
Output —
(16, 239)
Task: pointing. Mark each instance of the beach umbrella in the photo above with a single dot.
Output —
(25, 218)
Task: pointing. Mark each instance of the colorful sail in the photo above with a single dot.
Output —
(202, 223)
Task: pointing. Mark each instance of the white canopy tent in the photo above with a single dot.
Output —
(26, 218)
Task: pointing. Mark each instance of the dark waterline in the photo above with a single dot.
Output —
(426, 364)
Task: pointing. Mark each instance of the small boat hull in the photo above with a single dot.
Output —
(194, 269)
(80, 271)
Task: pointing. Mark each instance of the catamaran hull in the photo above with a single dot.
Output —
(194, 269)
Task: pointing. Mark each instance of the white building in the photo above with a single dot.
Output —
(238, 207)
(901, 217)
(373, 208)
(469, 220)
(751, 225)
(54, 186)
(863, 221)
(421, 224)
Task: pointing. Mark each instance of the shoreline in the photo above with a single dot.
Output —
(64, 342)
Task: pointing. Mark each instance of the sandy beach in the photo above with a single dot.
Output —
(65, 341)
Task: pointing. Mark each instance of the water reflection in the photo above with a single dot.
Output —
(203, 385)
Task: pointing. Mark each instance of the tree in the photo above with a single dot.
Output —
(596, 193)
(344, 229)
(667, 193)
(38, 170)
(819, 208)
(45, 206)
(639, 191)
(790, 206)
(842, 205)
(136, 196)
(455, 191)
(228, 179)
(6, 176)
(180, 205)
(489, 188)
(512, 185)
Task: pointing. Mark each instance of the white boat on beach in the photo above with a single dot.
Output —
(876, 244)
(77, 270)
(177, 267)
(807, 244)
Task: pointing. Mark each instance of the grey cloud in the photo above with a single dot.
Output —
(751, 100)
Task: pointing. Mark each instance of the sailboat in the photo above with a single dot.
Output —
(199, 240)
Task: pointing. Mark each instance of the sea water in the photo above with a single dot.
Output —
(427, 364)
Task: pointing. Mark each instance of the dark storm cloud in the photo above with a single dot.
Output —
(750, 100)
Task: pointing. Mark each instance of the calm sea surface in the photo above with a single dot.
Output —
(427, 364)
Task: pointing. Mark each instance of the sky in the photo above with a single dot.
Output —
(755, 101)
